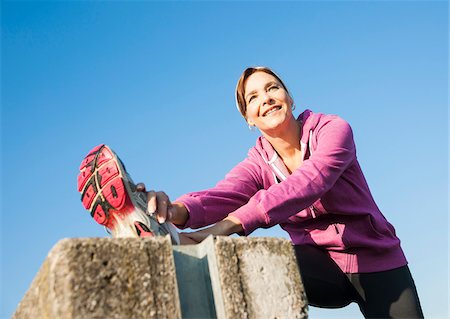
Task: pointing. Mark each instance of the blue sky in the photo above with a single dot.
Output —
(155, 81)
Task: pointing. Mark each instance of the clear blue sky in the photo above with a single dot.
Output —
(155, 81)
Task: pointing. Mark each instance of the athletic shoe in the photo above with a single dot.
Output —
(109, 194)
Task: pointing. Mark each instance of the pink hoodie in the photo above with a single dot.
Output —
(325, 202)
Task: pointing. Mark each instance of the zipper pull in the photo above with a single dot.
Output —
(337, 229)
(313, 213)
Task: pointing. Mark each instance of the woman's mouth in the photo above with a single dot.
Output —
(271, 110)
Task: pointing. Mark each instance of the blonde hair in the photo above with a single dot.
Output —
(240, 87)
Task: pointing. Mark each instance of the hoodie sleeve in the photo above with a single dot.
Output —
(212, 205)
(335, 151)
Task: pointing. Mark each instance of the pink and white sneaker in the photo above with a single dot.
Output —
(109, 194)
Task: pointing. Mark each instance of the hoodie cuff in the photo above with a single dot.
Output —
(195, 210)
(251, 216)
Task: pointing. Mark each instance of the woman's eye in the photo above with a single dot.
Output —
(251, 98)
(273, 88)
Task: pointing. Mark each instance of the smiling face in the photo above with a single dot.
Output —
(268, 103)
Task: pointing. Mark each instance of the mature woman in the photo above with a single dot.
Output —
(303, 174)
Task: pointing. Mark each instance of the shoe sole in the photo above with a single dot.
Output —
(104, 186)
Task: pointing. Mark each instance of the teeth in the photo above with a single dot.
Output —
(272, 110)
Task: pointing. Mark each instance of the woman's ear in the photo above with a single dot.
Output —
(291, 100)
(250, 123)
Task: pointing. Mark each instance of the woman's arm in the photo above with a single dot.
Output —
(210, 206)
(228, 226)
(335, 151)
(203, 208)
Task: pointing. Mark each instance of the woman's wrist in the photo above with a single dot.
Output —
(180, 214)
(232, 226)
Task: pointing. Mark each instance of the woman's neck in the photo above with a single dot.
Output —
(287, 142)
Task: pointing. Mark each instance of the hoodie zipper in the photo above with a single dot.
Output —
(312, 208)
(337, 228)
(313, 211)
(276, 171)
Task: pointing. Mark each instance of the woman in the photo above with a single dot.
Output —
(303, 174)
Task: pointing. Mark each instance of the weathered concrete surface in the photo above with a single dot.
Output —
(226, 277)
(104, 278)
(135, 278)
(259, 278)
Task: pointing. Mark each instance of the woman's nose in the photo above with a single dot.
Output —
(267, 99)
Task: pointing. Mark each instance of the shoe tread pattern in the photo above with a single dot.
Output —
(101, 184)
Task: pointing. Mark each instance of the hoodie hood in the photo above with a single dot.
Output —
(308, 122)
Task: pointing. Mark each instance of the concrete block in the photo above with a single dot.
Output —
(221, 278)
(247, 277)
(259, 278)
(193, 264)
(104, 278)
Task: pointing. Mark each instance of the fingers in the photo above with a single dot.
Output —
(151, 202)
(163, 204)
(197, 236)
(158, 203)
(184, 240)
(140, 187)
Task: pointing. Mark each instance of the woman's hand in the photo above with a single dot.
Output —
(184, 240)
(158, 203)
(229, 225)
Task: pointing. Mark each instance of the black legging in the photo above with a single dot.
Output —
(385, 294)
